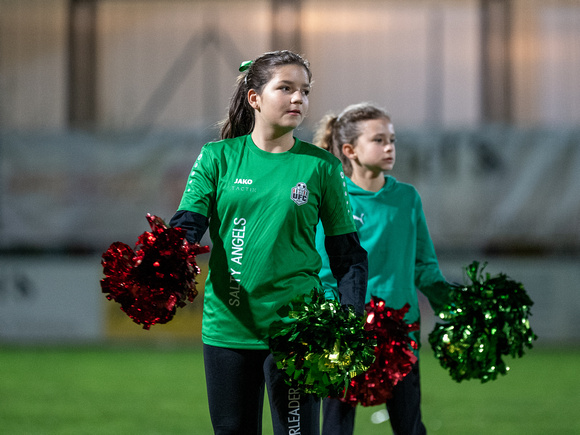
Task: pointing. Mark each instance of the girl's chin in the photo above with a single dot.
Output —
(290, 125)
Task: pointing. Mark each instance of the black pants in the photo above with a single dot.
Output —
(404, 410)
(235, 381)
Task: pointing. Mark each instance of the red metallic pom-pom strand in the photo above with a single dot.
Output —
(158, 277)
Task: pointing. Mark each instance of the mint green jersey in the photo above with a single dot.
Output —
(263, 210)
(392, 228)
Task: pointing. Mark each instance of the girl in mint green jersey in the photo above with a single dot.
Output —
(392, 229)
(262, 192)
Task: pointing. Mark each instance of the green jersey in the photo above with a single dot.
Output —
(263, 210)
(392, 228)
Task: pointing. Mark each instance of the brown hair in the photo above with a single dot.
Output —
(240, 119)
(334, 131)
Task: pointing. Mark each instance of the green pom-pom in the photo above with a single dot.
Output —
(320, 345)
(485, 320)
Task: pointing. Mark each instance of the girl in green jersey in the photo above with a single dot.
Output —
(392, 228)
(262, 192)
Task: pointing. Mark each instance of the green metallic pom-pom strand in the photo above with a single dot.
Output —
(485, 320)
(320, 345)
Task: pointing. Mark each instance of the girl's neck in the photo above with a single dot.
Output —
(273, 143)
(368, 180)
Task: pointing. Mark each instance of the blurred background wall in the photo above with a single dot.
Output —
(104, 105)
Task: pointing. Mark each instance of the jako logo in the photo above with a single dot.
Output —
(243, 181)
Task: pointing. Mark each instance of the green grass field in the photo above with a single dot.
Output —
(150, 390)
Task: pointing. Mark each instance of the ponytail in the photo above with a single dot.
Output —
(323, 133)
(240, 120)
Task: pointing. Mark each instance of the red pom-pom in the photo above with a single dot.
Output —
(151, 282)
(394, 355)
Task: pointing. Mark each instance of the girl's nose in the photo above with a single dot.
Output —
(390, 144)
(297, 97)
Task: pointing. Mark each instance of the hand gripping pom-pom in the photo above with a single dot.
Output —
(320, 345)
(394, 357)
(485, 320)
(158, 277)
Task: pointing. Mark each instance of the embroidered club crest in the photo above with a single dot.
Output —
(299, 194)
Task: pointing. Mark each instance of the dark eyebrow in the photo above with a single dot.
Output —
(289, 82)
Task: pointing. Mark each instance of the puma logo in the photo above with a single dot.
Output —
(356, 218)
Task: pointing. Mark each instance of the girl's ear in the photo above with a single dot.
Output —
(349, 151)
(254, 99)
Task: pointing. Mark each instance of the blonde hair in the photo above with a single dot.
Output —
(334, 131)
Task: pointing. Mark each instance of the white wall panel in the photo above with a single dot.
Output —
(51, 299)
(362, 54)
(33, 64)
(559, 70)
(174, 64)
